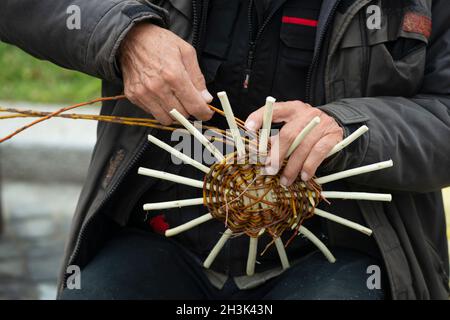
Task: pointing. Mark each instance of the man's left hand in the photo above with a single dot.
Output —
(311, 152)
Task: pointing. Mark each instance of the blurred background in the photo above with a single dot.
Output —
(42, 171)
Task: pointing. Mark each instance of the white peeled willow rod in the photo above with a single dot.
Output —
(170, 177)
(226, 106)
(306, 130)
(251, 260)
(267, 125)
(178, 154)
(197, 134)
(215, 251)
(282, 253)
(188, 225)
(173, 204)
(355, 171)
(173, 177)
(352, 195)
(344, 143)
(342, 221)
(357, 195)
(319, 244)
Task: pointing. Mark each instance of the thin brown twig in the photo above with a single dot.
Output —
(74, 116)
(57, 112)
(145, 122)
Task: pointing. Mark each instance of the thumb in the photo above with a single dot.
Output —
(255, 120)
(261, 117)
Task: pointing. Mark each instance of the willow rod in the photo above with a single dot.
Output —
(57, 112)
(144, 122)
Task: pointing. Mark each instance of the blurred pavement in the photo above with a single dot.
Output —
(42, 171)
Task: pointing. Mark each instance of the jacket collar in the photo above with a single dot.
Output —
(185, 7)
(326, 12)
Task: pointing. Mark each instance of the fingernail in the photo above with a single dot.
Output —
(304, 176)
(284, 181)
(270, 170)
(207, 96)
(250, 125)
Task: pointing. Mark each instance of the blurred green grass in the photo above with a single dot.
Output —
(24, 78)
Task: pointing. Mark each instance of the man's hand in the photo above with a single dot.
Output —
(312, 150)
(161, 72)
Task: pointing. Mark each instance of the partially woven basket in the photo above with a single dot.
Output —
(249, 202)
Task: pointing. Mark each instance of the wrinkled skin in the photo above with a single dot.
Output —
(161, 72)
(311, 152)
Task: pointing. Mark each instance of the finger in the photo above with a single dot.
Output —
(152, 105)
(296, 161)
(190, 97)
(157, 89)
(318, 154)
(281, 112)
(261, 118)
(286, 111)
(190, 61)
(280, 144)
(170, 101)
(255, 120)
(273, 163)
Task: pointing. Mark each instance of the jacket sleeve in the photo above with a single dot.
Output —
(41, 29)
(414, 132)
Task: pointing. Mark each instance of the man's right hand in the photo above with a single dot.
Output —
(161, 72)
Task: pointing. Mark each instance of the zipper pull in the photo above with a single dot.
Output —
(246, 79)
(248, 70)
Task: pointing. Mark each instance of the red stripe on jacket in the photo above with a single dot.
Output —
(300, 21)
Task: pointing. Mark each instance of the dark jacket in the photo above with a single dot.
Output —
(395, 79)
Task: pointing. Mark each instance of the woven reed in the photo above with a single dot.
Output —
(247, 201)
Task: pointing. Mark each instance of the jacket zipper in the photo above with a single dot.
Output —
(195, 23)
(366, 57)
(253, 42)
(199, 12)
(142, 149)
(317, 53)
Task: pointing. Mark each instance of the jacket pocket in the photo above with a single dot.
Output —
(296, 50)
(221, 23)
(396, 67)
(297, 41)
(392, 60)
(298, 29)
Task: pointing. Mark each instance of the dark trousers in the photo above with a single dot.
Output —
(141, 265)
